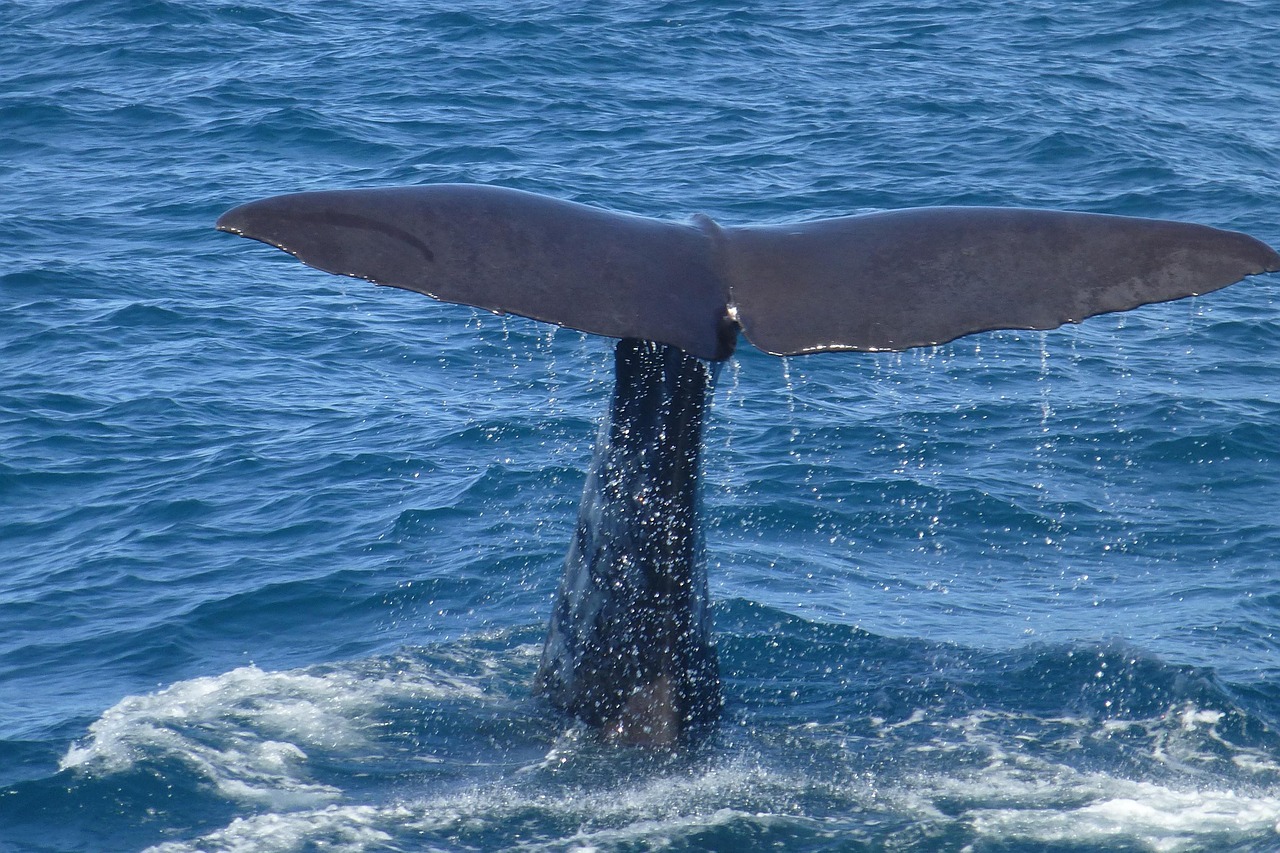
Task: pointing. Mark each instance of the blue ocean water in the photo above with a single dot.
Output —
(277, 549)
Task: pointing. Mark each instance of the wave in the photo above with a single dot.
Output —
(858, 738)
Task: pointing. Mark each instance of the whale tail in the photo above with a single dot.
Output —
(882, 281)
(629, 649)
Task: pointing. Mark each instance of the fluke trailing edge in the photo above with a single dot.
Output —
(629, 649)
(883, 281)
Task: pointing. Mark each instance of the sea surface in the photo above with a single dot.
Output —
(277, 549)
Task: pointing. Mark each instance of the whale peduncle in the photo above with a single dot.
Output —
(629, 649)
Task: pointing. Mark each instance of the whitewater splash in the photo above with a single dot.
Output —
(250, 733)
(474, 765)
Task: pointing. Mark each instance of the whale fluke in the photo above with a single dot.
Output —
(511, 252)
(882, 281)
(630, 649)
(924, 276)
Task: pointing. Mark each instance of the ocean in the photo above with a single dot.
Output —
(278, 549)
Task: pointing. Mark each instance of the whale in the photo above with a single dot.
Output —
(630, 649)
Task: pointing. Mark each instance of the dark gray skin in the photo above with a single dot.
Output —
(884, 281)
(629, 649)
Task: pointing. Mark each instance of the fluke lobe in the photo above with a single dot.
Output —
(629, 649)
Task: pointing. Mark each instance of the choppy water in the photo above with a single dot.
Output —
(277, 549)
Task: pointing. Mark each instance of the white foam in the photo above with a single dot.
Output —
(646, 814)
(336, 829)
(989, 774)
(1027, 799)
(1031, 797)
(249, 731)
(1193, 718)
(1159, 817)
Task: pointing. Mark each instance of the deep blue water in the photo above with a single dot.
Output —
(277, 549)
